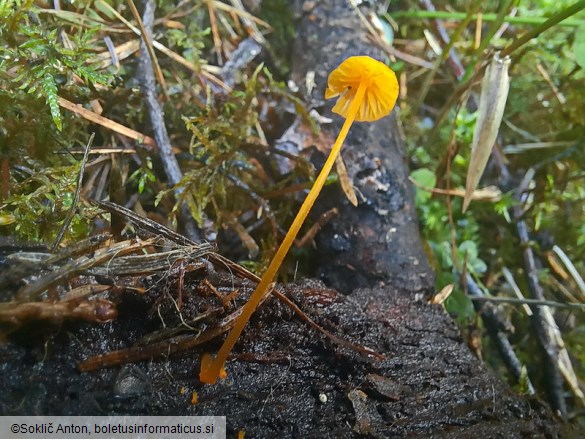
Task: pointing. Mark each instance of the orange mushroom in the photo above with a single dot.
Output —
(367, 91)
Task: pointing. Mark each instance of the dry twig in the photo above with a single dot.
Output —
(165, 149)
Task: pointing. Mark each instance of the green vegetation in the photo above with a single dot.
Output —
(88, 55)
(539, 145)
(37, 65)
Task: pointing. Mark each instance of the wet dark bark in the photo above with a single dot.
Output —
(378, 242)
(285, 379)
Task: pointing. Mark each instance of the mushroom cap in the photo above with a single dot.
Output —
(381, 87)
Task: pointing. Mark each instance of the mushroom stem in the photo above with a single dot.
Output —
(209, 374)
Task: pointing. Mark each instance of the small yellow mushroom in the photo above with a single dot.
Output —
(367, 91)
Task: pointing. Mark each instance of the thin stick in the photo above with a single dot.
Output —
(73, 207)
(155, 112)
(534, 302)
(147, 39)
(446, 15)
(496, 327)
(146, 141)
(550, 349)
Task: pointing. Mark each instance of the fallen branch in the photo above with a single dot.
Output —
(94, 310)
(515, 301)
(549, 348)
(170, 164)
(496, 326)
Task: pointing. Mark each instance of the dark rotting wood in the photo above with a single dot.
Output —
(378, 242)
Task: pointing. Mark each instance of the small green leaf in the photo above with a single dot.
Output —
(579, 47)
(52, 98)
(426, 178)
(461, 306)
(469, 248)
(37, 44)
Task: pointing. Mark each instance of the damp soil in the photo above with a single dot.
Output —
(285, 378)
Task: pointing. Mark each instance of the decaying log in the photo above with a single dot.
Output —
(378, 242)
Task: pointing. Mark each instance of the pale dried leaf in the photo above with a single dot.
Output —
(345, 181)
(494, 92)
(442, 295)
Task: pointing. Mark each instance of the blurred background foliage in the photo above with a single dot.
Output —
(242, 189)
(542, 136)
